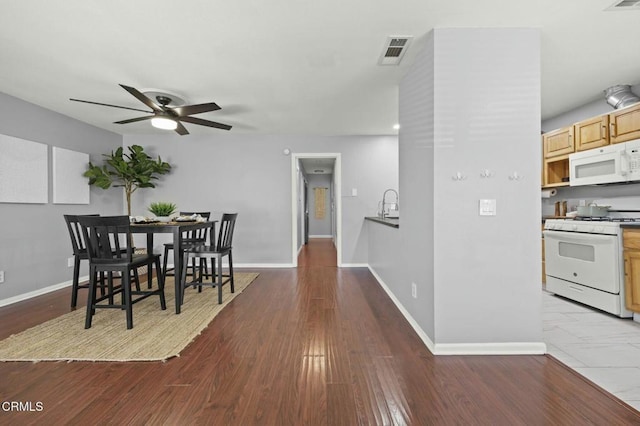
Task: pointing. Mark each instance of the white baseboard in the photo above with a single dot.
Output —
(498, 348)
(355, 265)
(39, 292)
(507, 348)
(320, 236)
(423, 336)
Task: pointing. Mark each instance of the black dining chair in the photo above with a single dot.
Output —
(108, 241)
(80, 253)
(199, 236)
(216, 252)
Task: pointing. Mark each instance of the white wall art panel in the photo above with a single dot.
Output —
(69, 186)
(23, 171)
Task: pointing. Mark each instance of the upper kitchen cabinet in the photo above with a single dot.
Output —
(556, 147)
(591, 133)
(558, 142)
(624, 124)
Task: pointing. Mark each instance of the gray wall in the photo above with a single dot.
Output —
(218, 172)
(221, 171)
(320, 227)
(34, 242)
(470, 102)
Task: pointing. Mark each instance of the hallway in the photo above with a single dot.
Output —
(318, 252)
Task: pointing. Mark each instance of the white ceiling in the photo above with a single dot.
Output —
(285, 66)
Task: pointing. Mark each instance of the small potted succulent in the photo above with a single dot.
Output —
(162, 210)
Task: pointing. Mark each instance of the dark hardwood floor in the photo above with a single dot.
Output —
(316, 345)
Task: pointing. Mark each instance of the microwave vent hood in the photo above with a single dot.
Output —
(620, 96)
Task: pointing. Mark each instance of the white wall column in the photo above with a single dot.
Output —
(470, 130)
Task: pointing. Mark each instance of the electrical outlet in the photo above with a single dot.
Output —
(1, 277)
(70, 262)
(414, 291)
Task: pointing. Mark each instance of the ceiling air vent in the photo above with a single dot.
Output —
(624, 5)
(394, 49)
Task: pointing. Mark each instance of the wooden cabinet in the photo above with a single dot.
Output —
(544, 272)
(631, 243)
(624, 124)
(556, 147)
(558, 142)
(555, 171)
(591, 133)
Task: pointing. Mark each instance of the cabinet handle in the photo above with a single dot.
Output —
(626, 263)
(603, 134)
(612, 130)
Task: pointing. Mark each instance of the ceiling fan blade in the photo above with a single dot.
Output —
(142, 98)
(207, 123)
(133, 120)
(195, 109)
(109, 105)
(181, 130)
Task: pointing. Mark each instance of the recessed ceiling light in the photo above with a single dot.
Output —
(396, 126)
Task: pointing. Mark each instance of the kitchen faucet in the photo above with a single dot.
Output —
(384, 202)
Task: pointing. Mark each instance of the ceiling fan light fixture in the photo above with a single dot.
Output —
(164, 123)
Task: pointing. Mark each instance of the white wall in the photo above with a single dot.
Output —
(34, 242)
(226, 172)
(470, 102)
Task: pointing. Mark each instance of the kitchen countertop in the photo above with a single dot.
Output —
(394, 223)
(629, 224)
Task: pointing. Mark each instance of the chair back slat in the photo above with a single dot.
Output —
(107, 237)
(75, 233)
(225, 236)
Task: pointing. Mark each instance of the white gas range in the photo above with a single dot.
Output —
(583, 261)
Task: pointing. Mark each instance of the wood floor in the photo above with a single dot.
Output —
(316, 345)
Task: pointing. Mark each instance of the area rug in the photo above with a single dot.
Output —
(156, 334)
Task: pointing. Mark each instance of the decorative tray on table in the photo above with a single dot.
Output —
(143, 220)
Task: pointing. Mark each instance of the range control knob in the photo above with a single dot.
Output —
(574, 227)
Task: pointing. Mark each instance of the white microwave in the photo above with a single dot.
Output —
(609, 164)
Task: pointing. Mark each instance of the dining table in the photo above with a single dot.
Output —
(177, 229)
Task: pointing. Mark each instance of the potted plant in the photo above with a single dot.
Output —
(129, 171)
(162, 210)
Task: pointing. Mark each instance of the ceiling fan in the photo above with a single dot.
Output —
(165, 116)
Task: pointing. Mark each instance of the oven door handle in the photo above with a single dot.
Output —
(577, 236)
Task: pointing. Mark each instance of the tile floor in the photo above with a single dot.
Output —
(602, 347)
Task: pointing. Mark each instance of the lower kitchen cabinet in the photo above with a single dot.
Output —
(631, 244)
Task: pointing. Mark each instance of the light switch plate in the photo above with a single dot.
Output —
(354, 192)
(487, 207)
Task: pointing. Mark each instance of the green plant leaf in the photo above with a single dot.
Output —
(133, 170)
